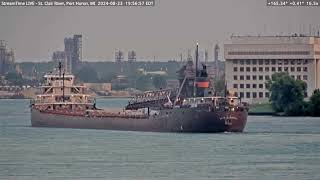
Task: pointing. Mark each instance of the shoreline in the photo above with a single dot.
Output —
(262, 114)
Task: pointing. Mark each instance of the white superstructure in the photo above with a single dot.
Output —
(59, 88)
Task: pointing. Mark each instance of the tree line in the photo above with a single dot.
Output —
(288, 96)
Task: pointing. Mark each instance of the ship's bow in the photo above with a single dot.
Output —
(236, 121)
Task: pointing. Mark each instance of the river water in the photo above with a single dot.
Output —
(270, 148)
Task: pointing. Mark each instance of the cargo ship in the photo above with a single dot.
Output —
(190, 108)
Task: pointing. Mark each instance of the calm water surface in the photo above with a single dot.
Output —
(270, 148)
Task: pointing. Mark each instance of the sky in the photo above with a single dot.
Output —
(169, 28)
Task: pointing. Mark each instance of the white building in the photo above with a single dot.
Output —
(251, 60)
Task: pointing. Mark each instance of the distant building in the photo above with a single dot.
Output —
(119, 56)
(121, 82)
(105, 87)
(213, 67)
(216, 61)
(251, 61)
(73, 52)
(7, 59)
(132, 56)
(159, 73)
(60, 56)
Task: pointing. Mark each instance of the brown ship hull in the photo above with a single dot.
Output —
(169, 120)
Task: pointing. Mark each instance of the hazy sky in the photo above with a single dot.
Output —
(164, 31)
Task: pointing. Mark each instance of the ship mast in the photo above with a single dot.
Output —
(60, 67)
(196, 75)
(63, 86)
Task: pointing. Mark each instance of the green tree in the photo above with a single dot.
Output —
(314, 104)
(87, 74)
(159, 82)
(287, 94)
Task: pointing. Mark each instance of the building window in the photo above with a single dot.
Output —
(292, 69)
(305, 77)
(247, 77)
(305, 69)
(299, 69)
(247, 85)
(248, 69)
(254, 77)
(248, 94)
(254, 85)
(267, 77)
(254, 61)
(248, 62)
(260, 61)
(299, 61)
(241, 77)
(305, 61)
(286, 69)
(280, 61)
(279, 69)
(260, 86)
(286, 61)
(267, 69)
(241, 86)
(254, 95)
(260, 77)
(260, 69)
(273, 61)
(267, 94)
(241, 94)
(292, 76)
(292, 62)
(273, 69)
(242, 61)
(260, 94)
(241, 69)
(235, 86)
(267, 61)
(235, 61)
(299, 77)
(254, 69)
(235, 69)
(235, 77)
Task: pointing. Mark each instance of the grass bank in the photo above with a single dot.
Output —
(261, 109)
